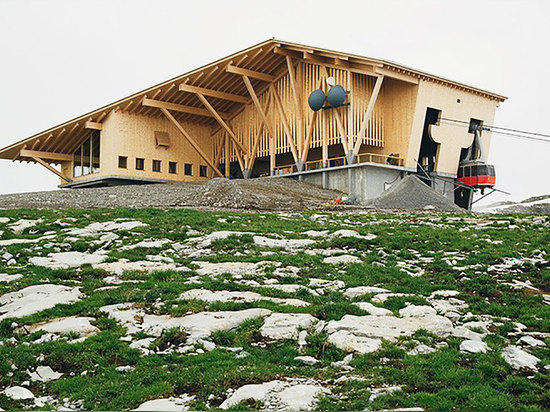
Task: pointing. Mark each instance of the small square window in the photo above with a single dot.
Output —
(188, 169)
(140, 163)
(202, 170)
(156, 165)
(122, 162)
(172, 168)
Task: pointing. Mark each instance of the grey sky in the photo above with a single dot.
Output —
(62, 58)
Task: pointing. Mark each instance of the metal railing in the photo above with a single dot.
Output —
(392, 159)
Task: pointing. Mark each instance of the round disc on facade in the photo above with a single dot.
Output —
(336, 96)
(316, 99)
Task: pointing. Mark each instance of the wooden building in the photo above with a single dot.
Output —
(247, 115)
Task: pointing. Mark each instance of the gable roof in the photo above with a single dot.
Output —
(268, 57)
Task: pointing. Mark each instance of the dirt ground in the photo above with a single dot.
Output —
(253, 194)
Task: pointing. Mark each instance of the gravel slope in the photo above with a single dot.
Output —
(253, 194)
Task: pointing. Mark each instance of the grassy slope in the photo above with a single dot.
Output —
(444, 380)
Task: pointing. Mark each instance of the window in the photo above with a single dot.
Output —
(122, 162)
(172, 168)
(202, 171)
(140, 163)
(162, 139)
(156, 165)
(188, 169)
(86, 156)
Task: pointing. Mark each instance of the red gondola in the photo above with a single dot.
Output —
(476, 174)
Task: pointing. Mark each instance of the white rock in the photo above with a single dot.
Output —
(18, 393)
(287, 244)
(444, 293)
(22, 224)
(376, 392)
(351, 233)
(72, 324)
(237, 296)
(198, 325)
(387, 327)
(341, 260)
(206, 240)
(350, 342)
(44, 374)
(64, 260)
(124, 265)
(382, 297)
(308, 360)
(417, 311)
(258, 392)
(9, 242)
(4, 219)
(528, 340)
(286, 325)
(421, 350)
(95, 229)
(363, 290)
(473, 346)
(33, 299)
(124, 369)
(519, 359)
(300, 397)
(373, 310)
(167, 404)
(462, 332)
(233, 268)
(4, 277)
(326, 284)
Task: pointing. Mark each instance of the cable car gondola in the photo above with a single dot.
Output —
(476, 174)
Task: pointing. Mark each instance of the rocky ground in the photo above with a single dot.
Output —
(534, 205)
(151, 309)
(253, 194)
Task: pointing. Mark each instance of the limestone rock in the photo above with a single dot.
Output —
(124, 265)
(18, 393)
(473, 346)
(33, 299)
(342, 260)
(286, 325)
(287, 244)
(64, 260)
(258, 392)
(22, 224)
(44, 374)
(363, 290)
(4, 277)
(236, 296)
(373, 310)
(71, 324)
(530, 341)
(417, 311)
(168, 404)
(308, 360)
(350, 342)
(300, 397)
(519, 359)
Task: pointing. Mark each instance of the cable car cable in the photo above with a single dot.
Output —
(500, 128)
(465, 124)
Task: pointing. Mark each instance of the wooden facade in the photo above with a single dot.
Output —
(247, 115)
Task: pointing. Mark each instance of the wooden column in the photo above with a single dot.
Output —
(227, 155)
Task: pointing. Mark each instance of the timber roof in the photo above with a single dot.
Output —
(268, 58)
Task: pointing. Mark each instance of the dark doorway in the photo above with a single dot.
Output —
(428, 148)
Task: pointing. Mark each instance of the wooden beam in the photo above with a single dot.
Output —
(214, 93)
(343, 135)
(52, 169)
(191, 141)
(180, 108)
(221, 122)
(308, 136)
(254, 151)
(93, 125)
(289, 137)
(46, 155)
(227, 156)
(368, 115)
(249, 73)
(257, 103)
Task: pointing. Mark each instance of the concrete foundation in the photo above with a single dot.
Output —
(364, 182)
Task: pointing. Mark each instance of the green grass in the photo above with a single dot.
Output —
(443, 380)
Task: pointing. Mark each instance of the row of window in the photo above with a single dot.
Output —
(476, 170)
(156, 166)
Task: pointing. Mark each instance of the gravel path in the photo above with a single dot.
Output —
(253, 194)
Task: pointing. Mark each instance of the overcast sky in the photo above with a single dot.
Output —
(63, 58)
